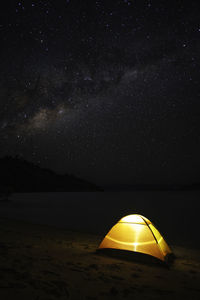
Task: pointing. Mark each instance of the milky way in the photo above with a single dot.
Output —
(107, 91)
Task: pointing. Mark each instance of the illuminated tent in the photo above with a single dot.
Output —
(136, 233)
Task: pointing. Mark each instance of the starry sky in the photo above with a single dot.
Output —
(105, 90)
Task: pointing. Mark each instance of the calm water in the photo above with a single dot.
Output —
(176, 214)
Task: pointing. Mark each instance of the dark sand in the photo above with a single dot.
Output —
(42, 263)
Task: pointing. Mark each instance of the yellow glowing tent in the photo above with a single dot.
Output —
(136, 233)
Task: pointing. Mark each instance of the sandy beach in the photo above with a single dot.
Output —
(39, 262)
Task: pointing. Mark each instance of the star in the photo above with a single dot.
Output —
(115, 82)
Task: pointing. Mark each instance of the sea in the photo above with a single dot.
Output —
(174, 213)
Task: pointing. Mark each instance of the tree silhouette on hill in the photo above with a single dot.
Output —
(18, 175)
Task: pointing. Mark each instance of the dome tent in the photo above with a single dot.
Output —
(136, 233)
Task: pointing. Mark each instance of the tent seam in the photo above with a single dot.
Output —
(150, 230)
(154, 236)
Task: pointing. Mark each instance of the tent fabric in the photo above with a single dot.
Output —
(136, 233)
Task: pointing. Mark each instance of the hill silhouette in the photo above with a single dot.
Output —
(18, 175)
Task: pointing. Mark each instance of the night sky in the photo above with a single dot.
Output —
(106, 90)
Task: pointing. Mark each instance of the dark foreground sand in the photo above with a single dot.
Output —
(43, 263)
